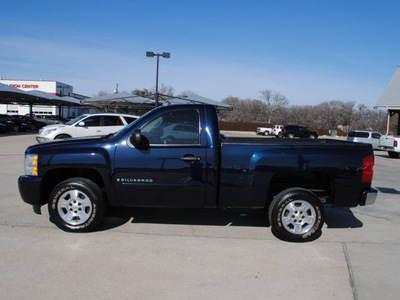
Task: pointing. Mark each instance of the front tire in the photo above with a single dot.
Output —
(296, 215)
(266, 133)
(76, 205)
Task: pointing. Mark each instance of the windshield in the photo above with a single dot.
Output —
(75, 120)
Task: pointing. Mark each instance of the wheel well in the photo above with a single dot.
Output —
(54, 177)
(64, 135)
(319, 183)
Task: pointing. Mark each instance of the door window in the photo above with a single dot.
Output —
(92, 121)
(112, 121)
(129, 120)
(376, 135)
(180, 127)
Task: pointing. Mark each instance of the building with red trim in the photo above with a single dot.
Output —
(49, 86)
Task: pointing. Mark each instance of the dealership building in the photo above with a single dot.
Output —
(52, 87)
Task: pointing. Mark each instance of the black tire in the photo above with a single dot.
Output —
(296, 215)
(312, 136)
(62, 137)
(393, 154)
(76, 205)
(266, 133)
(290, 136)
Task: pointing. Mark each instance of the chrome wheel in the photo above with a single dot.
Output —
(74, 207)
(298, 217)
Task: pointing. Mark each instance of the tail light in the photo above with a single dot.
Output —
(395, 143)
(284, 130)
(368, 168)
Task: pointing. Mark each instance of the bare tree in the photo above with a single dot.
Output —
(274, 100)
(162, 89)
(142, 92)
(101, 93)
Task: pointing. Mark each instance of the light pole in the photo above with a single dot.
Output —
(152, 54)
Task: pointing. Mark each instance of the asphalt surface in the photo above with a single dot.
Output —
(197, 254)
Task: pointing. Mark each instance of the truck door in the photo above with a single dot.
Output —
(172, 171)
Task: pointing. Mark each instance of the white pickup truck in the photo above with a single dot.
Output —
(263, 131)
(391, 145)
(275, 130)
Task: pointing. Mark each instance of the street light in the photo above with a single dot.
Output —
(164, 55)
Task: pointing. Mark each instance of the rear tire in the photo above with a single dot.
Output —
(76, 205)
(296, 215)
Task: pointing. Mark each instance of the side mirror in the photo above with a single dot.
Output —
(139, 141)
(81, 124)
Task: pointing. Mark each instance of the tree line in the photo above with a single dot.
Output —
(273, 107)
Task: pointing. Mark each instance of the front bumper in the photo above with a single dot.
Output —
(29, 189)
(41, 139)
(369, 197)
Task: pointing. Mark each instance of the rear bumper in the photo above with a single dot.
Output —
(386, 147)
(369, 197)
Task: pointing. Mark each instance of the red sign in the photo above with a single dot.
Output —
(25, 86)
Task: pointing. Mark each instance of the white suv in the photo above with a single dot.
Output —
(277, 129)
(365, 136)
(86, 125)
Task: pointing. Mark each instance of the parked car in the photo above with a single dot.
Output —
(49, 119)
(391, 145)
(19, 125)
(276, 130)
(11, 125)
(86, 125)
(263, 130)
(291, 131)
(32, 123)
(365, 136)
(3, 128)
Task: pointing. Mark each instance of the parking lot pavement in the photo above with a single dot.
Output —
(197, 254)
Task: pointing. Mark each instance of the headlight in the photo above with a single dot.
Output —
(48, 131)
(31, 164)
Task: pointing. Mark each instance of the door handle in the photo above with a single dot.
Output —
(190, 157)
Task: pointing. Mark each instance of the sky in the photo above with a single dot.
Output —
(309, 51)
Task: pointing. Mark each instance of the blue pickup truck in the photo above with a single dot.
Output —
(175, 156)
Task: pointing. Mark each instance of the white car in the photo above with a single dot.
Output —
(86, 125)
